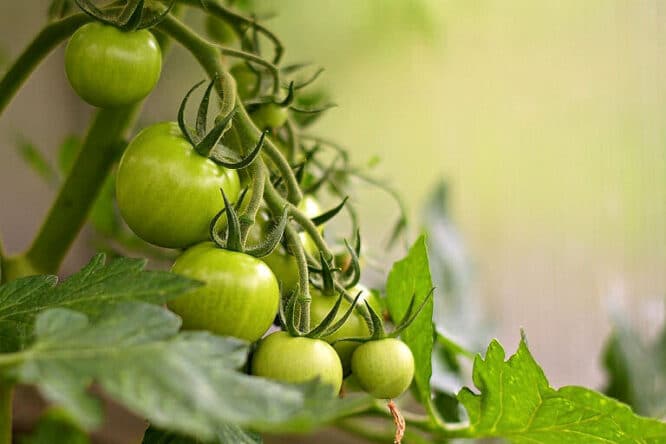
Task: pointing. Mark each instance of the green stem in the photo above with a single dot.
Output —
(275, 72)
(69, 211)
(250, 214)
(50, 37)
(271, 195)
(206, 54)
(304, 297)
(6, 398)
(250, 133)
(227, 15)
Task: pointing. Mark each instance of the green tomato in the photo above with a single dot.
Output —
(269, 116)
(246, 80)
(240, 297)
(109, 68)
(168, 193)
(285, 358)
(383, 368)
(354, 327)
(220, 31)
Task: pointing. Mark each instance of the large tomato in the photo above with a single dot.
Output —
(109, 68)
(285, 358)
(383, 368)
(239, 298)
(168, 193)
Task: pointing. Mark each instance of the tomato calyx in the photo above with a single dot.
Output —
(288, 313)
(328, 284)
(131, 17)
(234, 239)
(376, 325)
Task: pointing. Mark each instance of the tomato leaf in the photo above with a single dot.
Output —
(516, 402)
(90, 291)
(636, 370)
(185, 382)
(228, 434)
(411, 277)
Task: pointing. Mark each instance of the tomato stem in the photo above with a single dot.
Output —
(259, 180)
(222, 13)
(50, 37)
(78, 193)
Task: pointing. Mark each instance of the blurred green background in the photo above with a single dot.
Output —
(547, 119)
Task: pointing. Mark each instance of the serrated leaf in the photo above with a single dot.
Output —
(187, 382)
(516, 402)
(636, 370)
(408, 277)
(229, 434)
(91, 290)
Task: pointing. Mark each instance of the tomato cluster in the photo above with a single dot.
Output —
(168, 193)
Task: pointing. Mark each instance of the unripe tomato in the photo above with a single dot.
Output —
(168, 193)
(240, 297)
(354, 327)
(109, 68)
(220, 31)
(383, 368)
(269, 116)
(285, 358)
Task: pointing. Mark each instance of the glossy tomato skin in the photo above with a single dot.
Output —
(269, 116)
(383, 368)
(354, 327)
(109, 68)
(168, 193)
(240, 296)
(285, 358)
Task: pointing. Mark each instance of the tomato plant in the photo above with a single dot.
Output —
(285, 358)
(168, 193)
(240, 296)
(109, 67)
(184, 350)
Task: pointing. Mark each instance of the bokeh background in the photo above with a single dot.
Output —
(546, 119)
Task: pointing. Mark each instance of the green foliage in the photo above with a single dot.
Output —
(90, 291)
(516, 402)
(185, 382)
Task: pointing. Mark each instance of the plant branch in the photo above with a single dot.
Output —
(68, 213)
(229, 16)
(50, 37)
